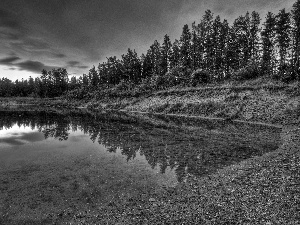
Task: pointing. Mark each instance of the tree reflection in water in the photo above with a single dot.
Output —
(189, 146)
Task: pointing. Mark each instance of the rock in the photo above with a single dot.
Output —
(151, 200)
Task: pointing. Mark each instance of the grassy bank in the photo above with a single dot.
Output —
(253, 100)
(275, 103)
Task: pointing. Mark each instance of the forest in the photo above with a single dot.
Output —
(209, 51)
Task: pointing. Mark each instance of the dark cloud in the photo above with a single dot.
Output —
(33, 66)
(82, 67)
(59, 55)
(9, 60)
(76, 64)
(72, 63)
(8, 20)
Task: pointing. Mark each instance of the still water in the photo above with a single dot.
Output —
(78, 159)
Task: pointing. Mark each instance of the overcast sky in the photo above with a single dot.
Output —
(77, 34)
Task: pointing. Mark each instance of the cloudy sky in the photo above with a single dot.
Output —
(77, 34)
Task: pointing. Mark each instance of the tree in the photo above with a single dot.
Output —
(93, 77)
(152, 61)
(296, 35)
(232, 51)
(206, 35)
(223, 46)
(283, 35)
(254, 36)
(166, 49)
(268, 35)
(185, 48)
(175, 56)
(241, 28)
(60, 78)
(216, 45)
(132, 67)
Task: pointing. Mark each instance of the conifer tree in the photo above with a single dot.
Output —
(175, 56)
(223, 46)
(233, 50)
(93, 77)
(268, 35)
(165, 55)
(185, 47)
(241, 27)
(131, 66)
(206, 27)
(216, 45)
(283, 35)
(152, 61)
(254, 36)
(296, 35)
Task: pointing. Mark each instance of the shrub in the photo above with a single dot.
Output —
(122, 86)
(177, 75)
(286, 73)
(199, 77)
(250, 71)
(79, 93)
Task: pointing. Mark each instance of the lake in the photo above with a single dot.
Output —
(59, 160)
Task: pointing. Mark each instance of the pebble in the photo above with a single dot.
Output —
(151, 200)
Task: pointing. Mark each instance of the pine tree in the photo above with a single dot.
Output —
(196, 47)
(233, 51)
(296, 35)
(216, 45)
(93, 77)
(241, 27)
(283, 35)
(175, 56)
(152, 61)
(185, 48)
(206, 33)
(223, 46)
(268, 44)
(166, 49)
(131, 66)
(254, 36)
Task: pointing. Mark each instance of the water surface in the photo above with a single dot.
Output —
(75, 160)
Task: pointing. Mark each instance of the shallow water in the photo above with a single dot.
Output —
(74, 160)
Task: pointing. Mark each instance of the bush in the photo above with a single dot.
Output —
(79, 93)
(200, 77)
(122, 86)
(250, 71)
(286, 73)
(176, 76)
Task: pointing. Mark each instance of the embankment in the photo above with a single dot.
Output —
(274, 104)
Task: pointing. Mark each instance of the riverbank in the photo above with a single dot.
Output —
(252, 101)
(271, 103)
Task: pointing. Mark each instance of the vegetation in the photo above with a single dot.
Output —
(211, 51)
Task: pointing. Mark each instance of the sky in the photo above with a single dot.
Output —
(77, 34)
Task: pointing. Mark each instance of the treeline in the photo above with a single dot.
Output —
(50, 84)
(209, 51)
